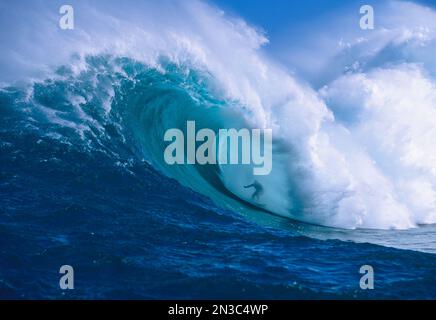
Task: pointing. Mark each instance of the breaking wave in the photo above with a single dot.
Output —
(359, 152)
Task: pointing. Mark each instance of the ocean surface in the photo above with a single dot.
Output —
(83, 181)
(78, 187)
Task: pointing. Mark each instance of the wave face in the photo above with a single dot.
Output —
(121, 106)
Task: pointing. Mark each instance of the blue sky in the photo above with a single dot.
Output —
(272, 15)
(298, 28)
(277, 15)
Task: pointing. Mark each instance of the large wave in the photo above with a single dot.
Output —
(357, 153)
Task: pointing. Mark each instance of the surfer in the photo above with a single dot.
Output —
(258, 190)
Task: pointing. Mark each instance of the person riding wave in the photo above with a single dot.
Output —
(258, 190)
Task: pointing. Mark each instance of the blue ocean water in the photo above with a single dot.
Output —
(83, 184)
